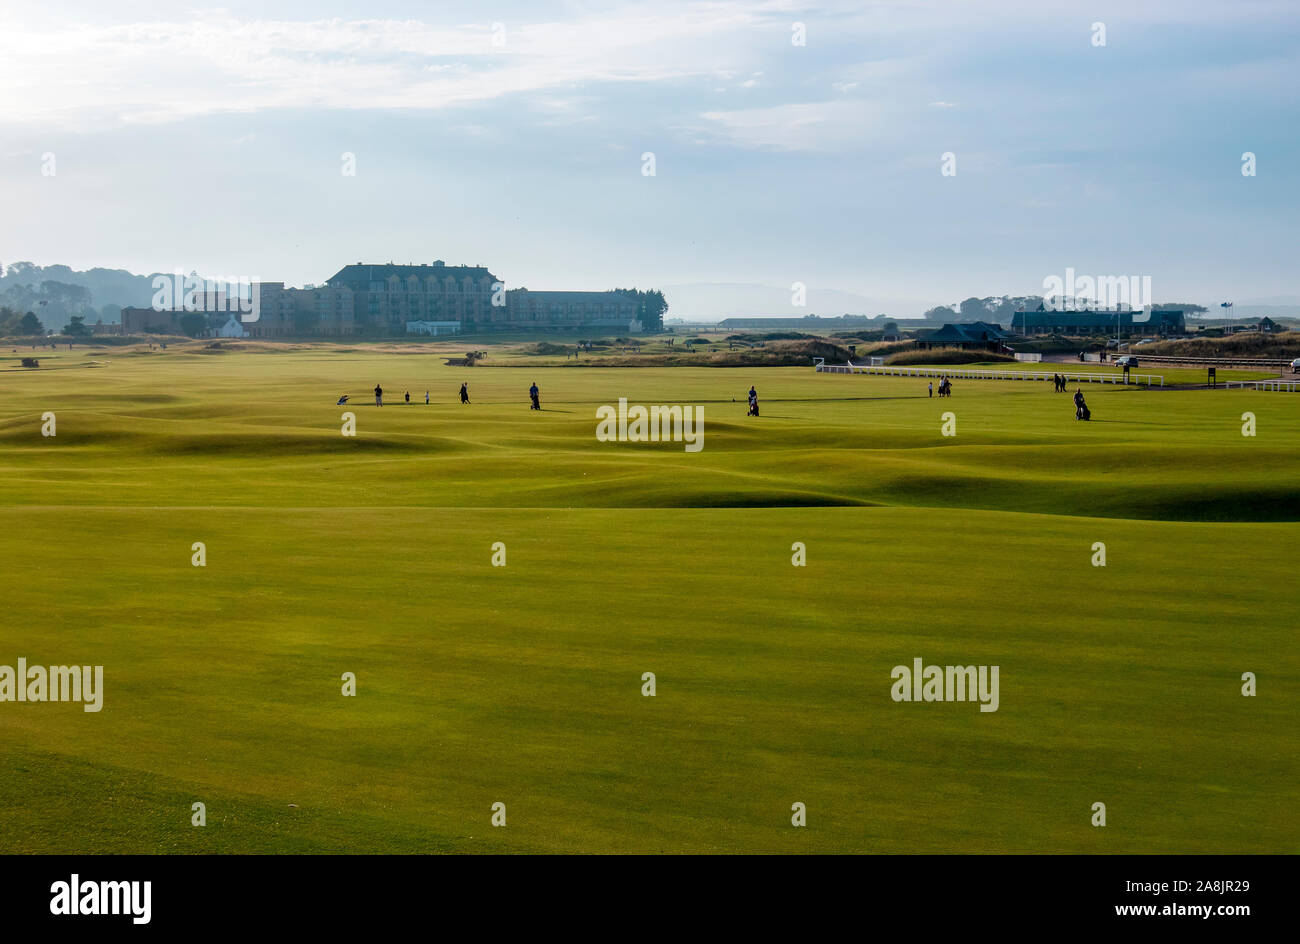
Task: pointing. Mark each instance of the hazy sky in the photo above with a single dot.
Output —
(212, 139)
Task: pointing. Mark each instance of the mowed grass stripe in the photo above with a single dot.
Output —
(522, 684)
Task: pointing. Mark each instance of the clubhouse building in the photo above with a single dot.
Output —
(969, 336)
(1100, 322)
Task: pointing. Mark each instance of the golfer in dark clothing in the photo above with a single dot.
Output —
(464, 392)
(379, 395)
(408, 396)
(533, 394)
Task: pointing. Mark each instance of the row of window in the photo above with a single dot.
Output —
(431, 287)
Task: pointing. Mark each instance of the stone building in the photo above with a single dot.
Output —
(395, 300)
(386, 297)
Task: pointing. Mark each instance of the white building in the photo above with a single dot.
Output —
(232, 329)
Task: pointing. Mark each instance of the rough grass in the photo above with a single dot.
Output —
(1284, 344)
(948, 355)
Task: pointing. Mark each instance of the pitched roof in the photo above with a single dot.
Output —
(362, 274)
(1096, 319)
(973, 332)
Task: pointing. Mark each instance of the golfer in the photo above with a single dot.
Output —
(533, 394)
(379, 395)
(464, 392)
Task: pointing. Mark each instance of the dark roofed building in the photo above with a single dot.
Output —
(149, 321)
(361, 275)
(1103, 322)
(386, 297)
(974, 335)
(556, 310)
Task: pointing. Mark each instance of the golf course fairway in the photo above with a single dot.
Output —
(499, 582)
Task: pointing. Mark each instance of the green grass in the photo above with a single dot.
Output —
(522, 684)
(1171, 375)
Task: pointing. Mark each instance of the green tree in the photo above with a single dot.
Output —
(651, 306)
(1189, 307)
(194, 324)
(76, 328)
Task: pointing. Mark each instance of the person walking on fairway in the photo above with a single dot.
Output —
(426, 398)
(408, 396)
(379, 395)
(464, 392)
(932, 389)
(753, 401)
(534, 394)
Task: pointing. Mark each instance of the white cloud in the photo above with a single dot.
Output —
(79, 74)
(813, 126)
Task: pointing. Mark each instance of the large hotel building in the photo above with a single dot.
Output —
(391, 299)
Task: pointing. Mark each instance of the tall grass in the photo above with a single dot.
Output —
(947, 355)
(1286, 344)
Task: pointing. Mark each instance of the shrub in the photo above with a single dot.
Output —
(31, 362)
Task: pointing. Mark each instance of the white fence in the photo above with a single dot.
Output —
(1287, 386)
(991, 373)
(1029, 358)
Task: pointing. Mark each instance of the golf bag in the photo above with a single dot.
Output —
(753, 408)
(1083, 413)
(537, 403)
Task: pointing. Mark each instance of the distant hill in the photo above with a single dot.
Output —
(112, 288)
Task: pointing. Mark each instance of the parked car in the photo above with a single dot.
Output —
(1295, 364)
(1126, 360)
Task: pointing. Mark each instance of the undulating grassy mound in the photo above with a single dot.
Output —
(1285, 344)
(947, 355)
(523, 684)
